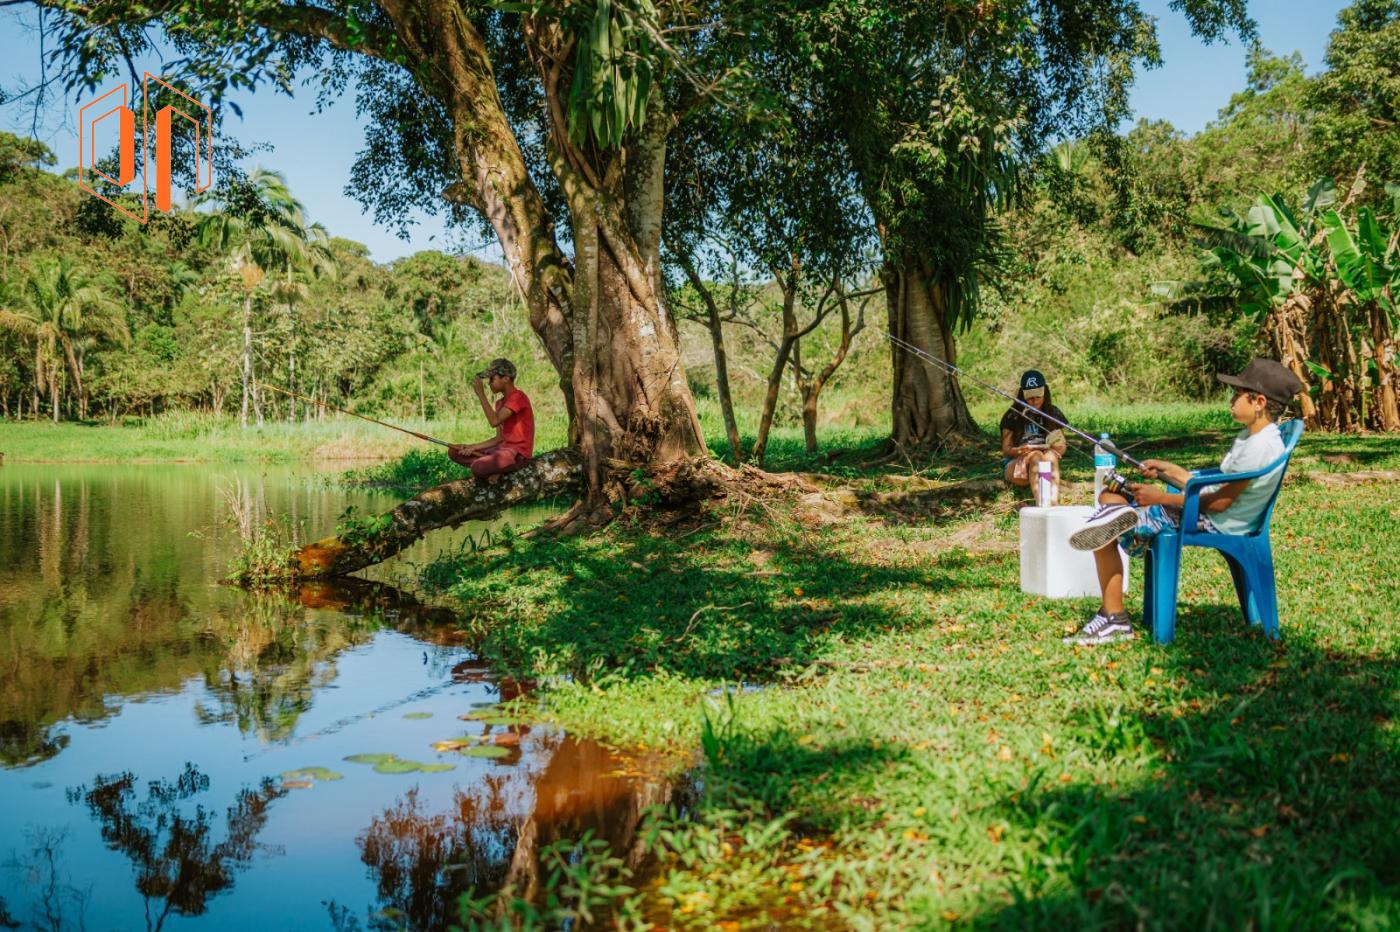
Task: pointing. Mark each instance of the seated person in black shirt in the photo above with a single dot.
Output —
(1025, 433)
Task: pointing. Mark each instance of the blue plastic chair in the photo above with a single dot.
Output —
(1250, 557)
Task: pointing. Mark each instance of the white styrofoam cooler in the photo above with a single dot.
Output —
(1049, 565)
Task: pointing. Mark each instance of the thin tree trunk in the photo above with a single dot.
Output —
(928, 407)
(247, 359)
(812, 387)
(716, 328)
(780, 362)
(1386, 406)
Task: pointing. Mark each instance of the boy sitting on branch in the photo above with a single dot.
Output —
(513, 419)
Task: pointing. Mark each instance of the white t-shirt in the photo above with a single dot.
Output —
(1248, 453)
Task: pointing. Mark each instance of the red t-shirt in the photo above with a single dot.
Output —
(518, 430)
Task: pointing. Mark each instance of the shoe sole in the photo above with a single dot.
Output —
(1107, 639)
(1095, 538)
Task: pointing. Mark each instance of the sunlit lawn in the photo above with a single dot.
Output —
(923, 750)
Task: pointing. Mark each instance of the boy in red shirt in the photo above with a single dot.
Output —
(513, 419)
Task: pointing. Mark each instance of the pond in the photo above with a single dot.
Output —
(173, 752)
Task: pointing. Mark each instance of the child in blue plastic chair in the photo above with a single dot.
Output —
(1262, 393)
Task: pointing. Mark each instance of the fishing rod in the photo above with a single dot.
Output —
(363, 417)
(954, 370)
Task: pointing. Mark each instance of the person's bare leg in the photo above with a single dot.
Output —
(1110, 566)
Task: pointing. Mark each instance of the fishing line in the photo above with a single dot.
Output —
(363, 417)
(954, 370)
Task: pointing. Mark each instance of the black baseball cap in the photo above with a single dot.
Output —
(1266, 377)
(501, 367)
(1032, 383)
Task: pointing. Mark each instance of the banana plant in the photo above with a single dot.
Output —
(1340, 278)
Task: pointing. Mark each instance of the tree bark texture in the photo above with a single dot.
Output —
(552, 474)
(600, 315)
(928, 406)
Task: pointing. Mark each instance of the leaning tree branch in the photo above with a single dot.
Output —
(553, 474)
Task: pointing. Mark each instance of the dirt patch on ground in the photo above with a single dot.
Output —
(1354, 478)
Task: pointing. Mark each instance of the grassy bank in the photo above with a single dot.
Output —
(198, 438)
(912, 745)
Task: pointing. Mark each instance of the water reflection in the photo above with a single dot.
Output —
(493, 835)
(178, 865)
(169, 703)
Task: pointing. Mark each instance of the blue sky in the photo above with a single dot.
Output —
(315, 152)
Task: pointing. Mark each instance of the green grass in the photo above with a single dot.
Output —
(923, 751)
(197, 438)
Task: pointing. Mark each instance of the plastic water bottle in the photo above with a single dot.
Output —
(1105, 463)
(1045, 491)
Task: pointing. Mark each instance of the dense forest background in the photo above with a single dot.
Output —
(1121, 269)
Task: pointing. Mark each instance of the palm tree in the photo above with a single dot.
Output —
(64, 311)
(274, 236)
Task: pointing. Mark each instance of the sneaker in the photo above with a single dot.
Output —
(1104, 629)
(1104, 526)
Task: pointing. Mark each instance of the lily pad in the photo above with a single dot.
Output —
(313, 773)
(296, 784)
(487, 750)
(369, 758)
(506, 739)
(417, 715)
(452, 744)
(437, 768)
(397, 766)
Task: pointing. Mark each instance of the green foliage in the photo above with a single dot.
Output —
(1356, 100)
(614, 63)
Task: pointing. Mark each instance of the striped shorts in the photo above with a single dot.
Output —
(1153, 520)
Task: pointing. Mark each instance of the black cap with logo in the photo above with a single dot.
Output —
(1266, 377)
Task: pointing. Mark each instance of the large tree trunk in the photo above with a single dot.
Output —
(601, 317)
(928, 407)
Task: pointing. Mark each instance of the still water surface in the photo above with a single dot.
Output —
(151, 721)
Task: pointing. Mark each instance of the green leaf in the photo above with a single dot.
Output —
(397, 766)
(437, 768)
(1318, 371)
(369, 758)
(487, 750)
(314, 773)
(417, 715)
(1321, 195)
